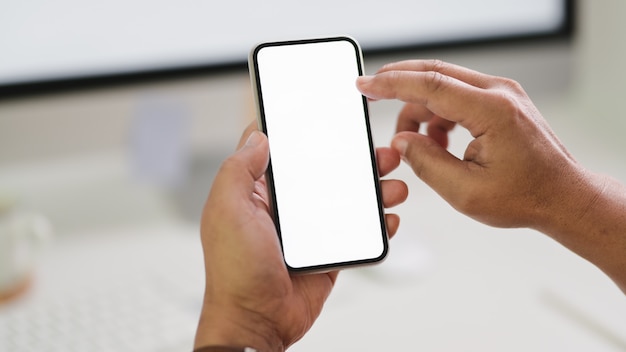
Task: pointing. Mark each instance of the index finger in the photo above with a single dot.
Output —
(469, 76)
(445, 96)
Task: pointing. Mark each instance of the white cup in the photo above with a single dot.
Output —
(22, 238)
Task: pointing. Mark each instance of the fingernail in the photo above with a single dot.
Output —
(364, 79)
(253, 139)
(401, 146)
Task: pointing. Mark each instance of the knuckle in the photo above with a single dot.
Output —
(511, 85)
(435, 81)
(393, 81)
(387, 67)
(393, 76)
(507, 104)
(437, 65)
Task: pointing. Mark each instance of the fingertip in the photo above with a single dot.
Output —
(363, 84)
(394, 192)
(393, 223)
(400, 143)
(388, 159)
(252, 126)
(254, 139)
(404, 191)
(254, 154)
(364, 80)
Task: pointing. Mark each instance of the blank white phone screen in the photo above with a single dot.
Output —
(321, 158)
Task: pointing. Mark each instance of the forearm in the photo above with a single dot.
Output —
(590, 220)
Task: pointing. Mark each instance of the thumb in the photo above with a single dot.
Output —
(244, 167)
(432, 163)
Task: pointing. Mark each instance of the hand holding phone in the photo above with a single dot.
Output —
(322, 178)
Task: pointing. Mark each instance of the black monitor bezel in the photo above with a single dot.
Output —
(563, 32)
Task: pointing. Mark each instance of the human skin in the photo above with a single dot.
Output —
(515, 172)
(250, 298)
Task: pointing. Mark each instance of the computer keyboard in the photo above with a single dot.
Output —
(152, 304)
(136, 320)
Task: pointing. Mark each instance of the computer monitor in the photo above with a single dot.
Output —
(48, 44)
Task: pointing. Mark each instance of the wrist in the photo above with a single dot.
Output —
(590, 220)
(568, 199)
(236, 327)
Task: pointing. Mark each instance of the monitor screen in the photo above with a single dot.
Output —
(47, 41)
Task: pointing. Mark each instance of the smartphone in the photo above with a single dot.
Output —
(322, 177)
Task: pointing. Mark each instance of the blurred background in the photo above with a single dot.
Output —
(114, 120)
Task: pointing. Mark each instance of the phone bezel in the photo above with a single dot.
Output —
(258, 98)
